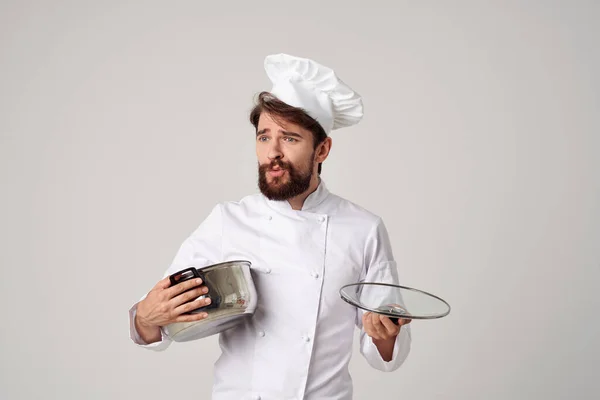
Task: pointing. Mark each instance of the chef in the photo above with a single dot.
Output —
(304, 243)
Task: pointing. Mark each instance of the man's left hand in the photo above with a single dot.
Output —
(380, 327)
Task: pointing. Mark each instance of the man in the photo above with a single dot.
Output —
(304, 244)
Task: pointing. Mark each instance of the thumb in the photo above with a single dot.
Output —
(163, 283)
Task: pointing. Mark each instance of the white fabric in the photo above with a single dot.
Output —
(304, 83)
(298, 344)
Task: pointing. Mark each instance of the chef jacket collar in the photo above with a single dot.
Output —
(311, 202)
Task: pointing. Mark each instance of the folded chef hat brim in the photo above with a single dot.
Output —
(303, 83)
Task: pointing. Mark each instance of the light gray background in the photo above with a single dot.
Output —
(122, 123)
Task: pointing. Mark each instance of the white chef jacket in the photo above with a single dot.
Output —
(298, 344)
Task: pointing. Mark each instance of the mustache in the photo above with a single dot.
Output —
(275, 163)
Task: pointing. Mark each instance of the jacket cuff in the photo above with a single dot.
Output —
(134, 335)
(399, 355)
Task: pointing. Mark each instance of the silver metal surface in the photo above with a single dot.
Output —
(234, 299)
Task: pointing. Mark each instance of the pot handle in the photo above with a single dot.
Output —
(186, 275)
(192, 273)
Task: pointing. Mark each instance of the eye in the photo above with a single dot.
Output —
(262, 138)
(290, 139)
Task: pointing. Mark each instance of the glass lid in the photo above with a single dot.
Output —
(394, 301)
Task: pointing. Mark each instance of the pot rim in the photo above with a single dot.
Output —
(224, 263)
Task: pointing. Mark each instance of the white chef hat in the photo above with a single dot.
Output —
(303, 83)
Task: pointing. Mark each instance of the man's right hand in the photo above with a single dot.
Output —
(166, 304)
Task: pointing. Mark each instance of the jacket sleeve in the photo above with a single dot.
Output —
(380, 266)
(203, 247)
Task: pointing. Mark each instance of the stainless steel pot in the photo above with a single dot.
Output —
(233, 299)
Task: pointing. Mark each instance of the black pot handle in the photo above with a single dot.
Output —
(186, 275)
(193, 273)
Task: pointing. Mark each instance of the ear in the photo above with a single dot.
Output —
(323, 150)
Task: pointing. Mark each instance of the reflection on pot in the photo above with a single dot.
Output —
(233, 299)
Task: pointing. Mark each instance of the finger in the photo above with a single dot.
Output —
(376, 321)
(391, 328)
(163, 283)
(191, 317)
(192, 305)
(367, 325)
(179, 288)
(188, 296)
(365, 320)
(377, 325)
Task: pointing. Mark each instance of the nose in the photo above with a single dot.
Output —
(274, 151)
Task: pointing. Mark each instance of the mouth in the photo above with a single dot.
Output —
(276, 172)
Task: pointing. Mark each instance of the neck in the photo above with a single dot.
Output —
(298, 201)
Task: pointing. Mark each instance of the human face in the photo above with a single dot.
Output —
(286, 158)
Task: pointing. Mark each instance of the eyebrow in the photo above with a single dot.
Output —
(285, 133)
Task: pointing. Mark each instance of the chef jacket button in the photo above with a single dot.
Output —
(257, 397)
(321, 219)
(261, 333)
(269, 217)
(267, 270)
(315, 275)
(306, 339)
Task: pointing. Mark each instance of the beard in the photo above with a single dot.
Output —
(298, 181)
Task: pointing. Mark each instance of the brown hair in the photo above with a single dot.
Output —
(278, 110)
